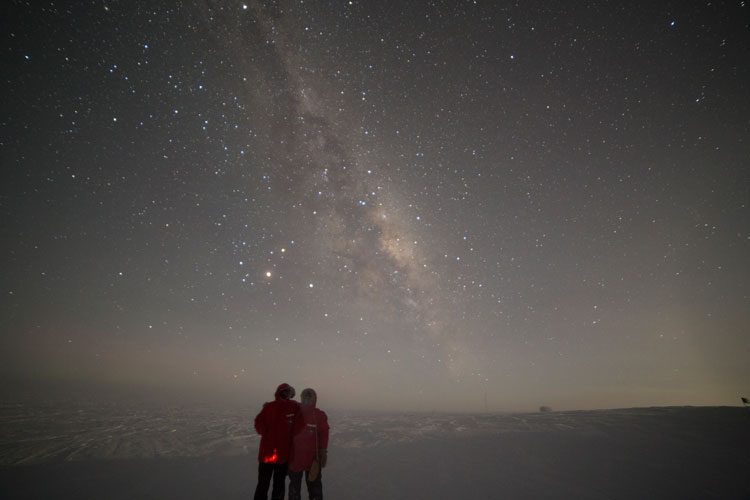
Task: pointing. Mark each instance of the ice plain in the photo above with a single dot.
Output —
(120, 451)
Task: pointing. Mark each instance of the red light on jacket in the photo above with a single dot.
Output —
(272, 459)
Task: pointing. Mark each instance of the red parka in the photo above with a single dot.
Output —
(275, 424)
(310, 434)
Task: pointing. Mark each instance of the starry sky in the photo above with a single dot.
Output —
(452, 206)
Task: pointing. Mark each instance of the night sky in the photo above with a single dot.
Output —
(405, 205)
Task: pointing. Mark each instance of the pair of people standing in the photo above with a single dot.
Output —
(294, 440)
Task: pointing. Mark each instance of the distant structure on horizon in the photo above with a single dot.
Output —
(544, 409)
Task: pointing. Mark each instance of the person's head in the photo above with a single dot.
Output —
(285, 391)
(308, 397)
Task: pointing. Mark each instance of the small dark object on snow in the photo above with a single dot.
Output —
(544, 409)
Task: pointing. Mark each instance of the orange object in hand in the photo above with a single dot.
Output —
(272, 459)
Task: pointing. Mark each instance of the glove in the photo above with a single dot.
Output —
(323, 457)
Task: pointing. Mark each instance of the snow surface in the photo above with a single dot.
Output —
(118, 452)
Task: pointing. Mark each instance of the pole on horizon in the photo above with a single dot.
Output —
(485, 401)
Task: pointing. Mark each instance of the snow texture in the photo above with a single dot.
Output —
(111, 452)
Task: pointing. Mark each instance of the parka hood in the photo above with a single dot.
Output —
(283, 389)
(309, 397)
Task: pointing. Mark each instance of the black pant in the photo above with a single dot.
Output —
(265, 472)
(314, 488)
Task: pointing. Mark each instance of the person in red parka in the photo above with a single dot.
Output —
(275, 424)
(309, 448)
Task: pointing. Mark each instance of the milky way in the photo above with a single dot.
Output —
(360, 233)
